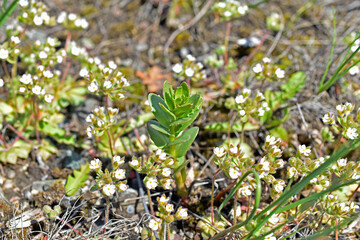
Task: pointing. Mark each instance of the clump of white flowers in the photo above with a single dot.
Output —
(158, 169)
(236, 163)
(166, 214)
(101, 120)
(266, 70)
(34, 13)
(72, 21)
(345, 121)
(109, 182)
(250, 107)
(104, 79)
(189, 69)
(230, 9)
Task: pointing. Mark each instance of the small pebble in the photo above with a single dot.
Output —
(11, 174)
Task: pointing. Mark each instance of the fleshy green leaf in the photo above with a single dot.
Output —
(295, 83)
(168, 95)
(73, 183)
(160, 139)
(183, 143)
(164, 117)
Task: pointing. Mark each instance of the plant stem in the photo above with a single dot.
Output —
(168, 230)
(67, 224)
(106, 213)
(110, 143)
(150, 202)
(227, 35)
(13, 74)
(212, 196)
(36, 120)
(235, 206)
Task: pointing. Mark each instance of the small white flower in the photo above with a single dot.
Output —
(227, 14)
(258, 68)
(234, 173)
(43, 55)
(245, 191)
(75, 50)
(242, 112)
(154, 225)
(45, 17)
(219, 152)
(163, 199)
(271, 140)
(329, 118)
(25, 15)
(1, 82)
(304, 151)
(93, 87)
(48, 98)
(112, 110)
(279, 186)
(4, 53)
(351, 133)
(36, 90)
(61, 18)
(177, 68)
(266, 60)
(134, 163)
(265, 166)
(59, 59)
(167, 183)
(240, 99)
(22, 89)
(112, 65)
(166, 172)
(48, 74)
(354, 70)
(23, 3)
(182, 213)
(72, 16)
(261, 112)
(151, 183)
(169, 208)
(270, 237)
(118, 160)
(292, 172)
(260, 95)
(95, 164)
(341, 162)
(100, 123)
(123, 187)
(38, 20)
(221, 4)
(119, 174)
(90, 118)
(280, 73)
(234, 150)
(190, 57)
(109, 190)
(121, 96)
(15, 39)
(340, 108)
(89, 131)
(189, 72)
(242, 9)
(84, 72)
(107, 84)
(84, 23)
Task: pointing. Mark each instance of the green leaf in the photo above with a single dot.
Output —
(168, 95)
(160, 139)
(163, 116)
(183, 143)
(182, 94)
(5, 108)
(5, 15)
(73, 183)
(295, 83)
(50, 129)
(158, 127)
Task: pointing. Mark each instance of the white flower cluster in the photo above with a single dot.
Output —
(268, 71)
(190, 69)
(158, 169)
(247, 106)
(33, 85)
(230, 9)
(107, 181)
(72, 21)
(35, 13)
(112, 80)
(347, 124)
(100, 120)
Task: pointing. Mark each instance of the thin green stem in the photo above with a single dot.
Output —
(150, 202)
(36, 112)
(13, 89)
(168, 230)
(106, 213)
(110, 143)
(212, 196)
(235, 206)
(227, 35)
